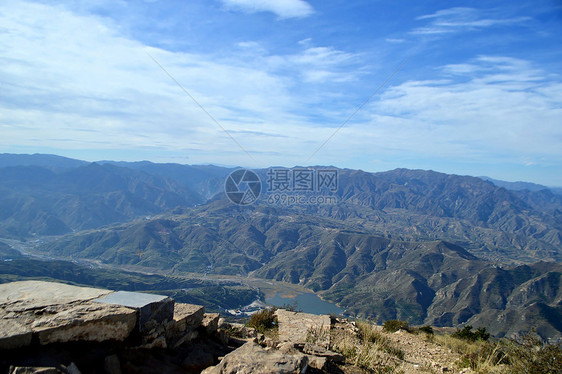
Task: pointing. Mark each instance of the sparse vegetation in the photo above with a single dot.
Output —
(394, 325)
(426, 329)
(368, 348)
(263, 320)
(466, 333)
(292, 307)
(317, 335)
(504, 355)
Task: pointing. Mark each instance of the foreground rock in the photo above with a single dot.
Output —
(55, 312)
(253, 358)
(298, 327)
(84, 329)
(55, 328)
(149, 307)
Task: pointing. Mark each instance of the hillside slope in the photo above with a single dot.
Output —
(371, 276)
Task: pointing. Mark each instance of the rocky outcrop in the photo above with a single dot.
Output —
(56, 328)
(297, 327)
(54, 312)
(252, 358)
(102, 330)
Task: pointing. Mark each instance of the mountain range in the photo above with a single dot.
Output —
(428, 247)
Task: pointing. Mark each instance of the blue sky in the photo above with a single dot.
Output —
(475, 87)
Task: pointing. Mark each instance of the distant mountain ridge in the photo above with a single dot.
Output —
(36, 200)
(490, 221)
(51, 162)
(412, 244)
(516, 186)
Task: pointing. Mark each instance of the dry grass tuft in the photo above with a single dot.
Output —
(367, 348)
(504, 355)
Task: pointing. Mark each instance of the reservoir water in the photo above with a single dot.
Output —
(305, 302)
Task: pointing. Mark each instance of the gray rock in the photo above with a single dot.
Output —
(183, 327)
(319, 363)
(150, 307)
(13, 334)
(251, 358)
(56, 312)
(210, 322)
(86, 322)
(188, 316)
(301, 327)
(287, 348)
(187, 336)
(31, 295)
(316, 350)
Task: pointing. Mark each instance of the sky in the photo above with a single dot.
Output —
(463, 87)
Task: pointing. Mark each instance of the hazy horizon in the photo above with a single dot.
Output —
(470, 90)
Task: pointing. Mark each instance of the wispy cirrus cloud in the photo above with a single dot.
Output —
(282, 8)
(488, 108)
(81, 84)
(461, 19)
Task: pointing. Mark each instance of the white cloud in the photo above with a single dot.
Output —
(282, 8)
(461, 19)
(489, 108)
(79, 84)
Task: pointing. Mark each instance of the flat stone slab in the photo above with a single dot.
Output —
(296, 327)
(56, 312)
(87, 321)
(131, 299)
(150, 307)
(27, 295)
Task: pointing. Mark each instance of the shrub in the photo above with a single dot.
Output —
(467, 334)
(427, 329)
(394, 325)
(263, 320)
(292, 307)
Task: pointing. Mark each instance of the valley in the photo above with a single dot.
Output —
(421, 246)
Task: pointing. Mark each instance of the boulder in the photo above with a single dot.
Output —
(210, 322)
(251, 358)
(319, 363)
(188, 316)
